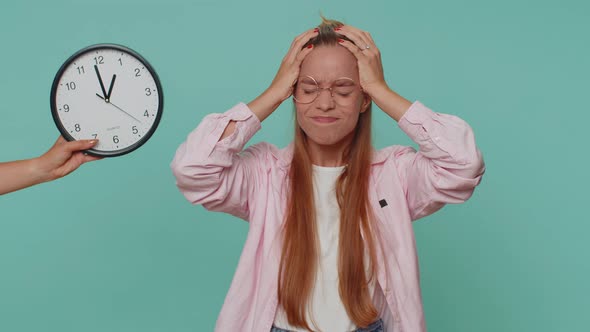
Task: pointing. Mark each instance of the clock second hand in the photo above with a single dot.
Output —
(119, 108)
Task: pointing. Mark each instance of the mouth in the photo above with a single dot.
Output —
(324, 119)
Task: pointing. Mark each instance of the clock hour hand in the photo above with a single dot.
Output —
(108, 96)
(119, 108)
(104, 92)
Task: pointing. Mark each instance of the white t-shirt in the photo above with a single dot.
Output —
(327, 309)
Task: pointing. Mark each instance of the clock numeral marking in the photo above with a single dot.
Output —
(66, 108)
(77, 127)
(146, 114)
(120, 61)
(71, 86)
(81, 70)
(95, 135)
(137, 72)
(115, 139)
(134, 129)
(99, 60)
(148, 92)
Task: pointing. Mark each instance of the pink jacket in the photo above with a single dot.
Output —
(251, 184)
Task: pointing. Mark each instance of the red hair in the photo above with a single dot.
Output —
(299, 256)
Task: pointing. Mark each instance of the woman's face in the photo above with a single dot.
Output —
(325, 121)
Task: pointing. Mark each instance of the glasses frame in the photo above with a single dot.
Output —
(319, 89)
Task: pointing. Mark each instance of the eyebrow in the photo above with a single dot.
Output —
(343, 82)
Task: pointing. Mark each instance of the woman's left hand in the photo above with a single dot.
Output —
(371, 72)
(368, 57)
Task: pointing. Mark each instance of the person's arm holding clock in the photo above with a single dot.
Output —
(62, 159)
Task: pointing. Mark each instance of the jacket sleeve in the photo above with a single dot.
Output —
(218, 174)
(448, 165)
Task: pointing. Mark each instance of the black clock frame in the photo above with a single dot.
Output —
(92, 48)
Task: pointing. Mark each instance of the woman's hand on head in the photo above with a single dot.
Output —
(371, 72)
(368, 57)
(63, 158)
(281, 87)
(282, 84)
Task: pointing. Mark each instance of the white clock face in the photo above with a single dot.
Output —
(109, 94)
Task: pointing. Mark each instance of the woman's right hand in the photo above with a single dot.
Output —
(281, 87)
(282, 84)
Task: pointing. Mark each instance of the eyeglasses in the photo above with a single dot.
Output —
(342, 90)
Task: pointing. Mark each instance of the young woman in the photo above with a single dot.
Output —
(330, 245)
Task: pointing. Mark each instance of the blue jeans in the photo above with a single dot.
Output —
(376, 326)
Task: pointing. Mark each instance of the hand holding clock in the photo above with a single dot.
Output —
(63, 158)
(77, 118)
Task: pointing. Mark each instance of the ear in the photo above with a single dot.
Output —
(366, 102)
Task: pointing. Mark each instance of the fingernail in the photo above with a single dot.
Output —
(310, 46)
(316, 30)
(340, 40)
(338, 29)
(92, 142)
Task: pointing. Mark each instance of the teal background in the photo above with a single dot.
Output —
(116, 247)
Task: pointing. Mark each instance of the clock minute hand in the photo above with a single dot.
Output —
(104, 92)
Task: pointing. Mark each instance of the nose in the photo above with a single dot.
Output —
(325, 101)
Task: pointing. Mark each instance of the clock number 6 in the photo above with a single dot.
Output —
(115, 139)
